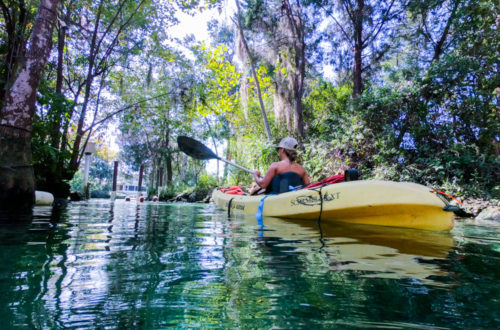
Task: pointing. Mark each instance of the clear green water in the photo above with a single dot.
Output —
(103, 265)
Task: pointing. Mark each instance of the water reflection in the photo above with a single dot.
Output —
(382, 252)
(29, 252)
(123, 265)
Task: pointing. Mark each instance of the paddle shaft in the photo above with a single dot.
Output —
(236, 165)
(198, 150)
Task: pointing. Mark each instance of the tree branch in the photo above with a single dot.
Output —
(110, 25)
(111, 115)
(438, 50)
(6, 13)
(341, 28)
(376, 30)
(110, 48)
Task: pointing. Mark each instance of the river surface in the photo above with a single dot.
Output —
(99, 264)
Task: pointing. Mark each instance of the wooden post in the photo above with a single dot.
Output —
(85, 184)
(115, 175)
(139, 186)
(89, 150)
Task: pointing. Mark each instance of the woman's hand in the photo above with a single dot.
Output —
(256, 176)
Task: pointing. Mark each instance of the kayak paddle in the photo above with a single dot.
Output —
(198, 150)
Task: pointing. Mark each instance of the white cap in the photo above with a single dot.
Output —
(288, 143)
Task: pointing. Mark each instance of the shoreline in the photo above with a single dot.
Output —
(481, 209)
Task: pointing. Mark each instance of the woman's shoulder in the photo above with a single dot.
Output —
(299, 167)
(274, 167)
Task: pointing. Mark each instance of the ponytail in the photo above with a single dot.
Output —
(291, 154)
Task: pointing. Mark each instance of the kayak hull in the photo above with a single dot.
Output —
(384, 203)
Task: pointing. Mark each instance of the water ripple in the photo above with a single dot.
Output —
(100, 264)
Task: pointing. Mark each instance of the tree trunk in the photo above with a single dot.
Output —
(213, 142)
(252, 66)
(17, 179)
(358, 49)
(56, 125)
(75, 155)
(97, 63)
(300, 118)
(14, 22)
(17, 183)
(299, 47)
(169, 168)
(168, 158)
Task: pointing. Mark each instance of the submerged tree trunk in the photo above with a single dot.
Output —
(17, 179)
(17, 183)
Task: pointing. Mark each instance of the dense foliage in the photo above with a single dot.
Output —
(401, 90)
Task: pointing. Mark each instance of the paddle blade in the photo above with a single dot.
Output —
(194, 148)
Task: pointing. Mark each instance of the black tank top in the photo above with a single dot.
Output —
(281, 182)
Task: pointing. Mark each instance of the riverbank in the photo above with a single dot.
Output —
(481, 209)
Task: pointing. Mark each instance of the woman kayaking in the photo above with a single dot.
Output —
(284, 175)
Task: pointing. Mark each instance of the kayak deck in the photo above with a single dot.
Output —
(385, 203)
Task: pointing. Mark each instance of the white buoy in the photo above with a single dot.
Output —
(43, 198)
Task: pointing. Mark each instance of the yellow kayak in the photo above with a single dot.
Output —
(384, 203)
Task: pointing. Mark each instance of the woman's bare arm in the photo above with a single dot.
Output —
(266, 180)
(305, 178)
